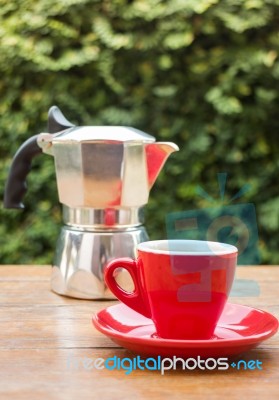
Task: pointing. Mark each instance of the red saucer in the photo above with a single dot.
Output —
(239, 329)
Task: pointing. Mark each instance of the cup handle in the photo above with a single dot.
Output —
(137, 300)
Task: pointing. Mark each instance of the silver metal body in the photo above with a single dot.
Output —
(85, 246)
(105, 166)
(104, 175)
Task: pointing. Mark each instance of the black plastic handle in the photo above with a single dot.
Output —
(16, 184)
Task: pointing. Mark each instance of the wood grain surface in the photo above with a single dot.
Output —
(42, 333)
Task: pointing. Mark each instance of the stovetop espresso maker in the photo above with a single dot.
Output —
(104, 175)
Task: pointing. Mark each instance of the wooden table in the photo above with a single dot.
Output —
(41, 331)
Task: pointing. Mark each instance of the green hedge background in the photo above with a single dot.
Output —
(203, 74)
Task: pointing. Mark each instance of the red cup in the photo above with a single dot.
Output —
(182, 285)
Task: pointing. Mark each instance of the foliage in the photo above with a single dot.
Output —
(203, 74)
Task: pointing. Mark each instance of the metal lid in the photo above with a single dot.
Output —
(102, 133)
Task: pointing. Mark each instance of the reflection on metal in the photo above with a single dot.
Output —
(100, 219)
(102, 167)
(81, 257)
